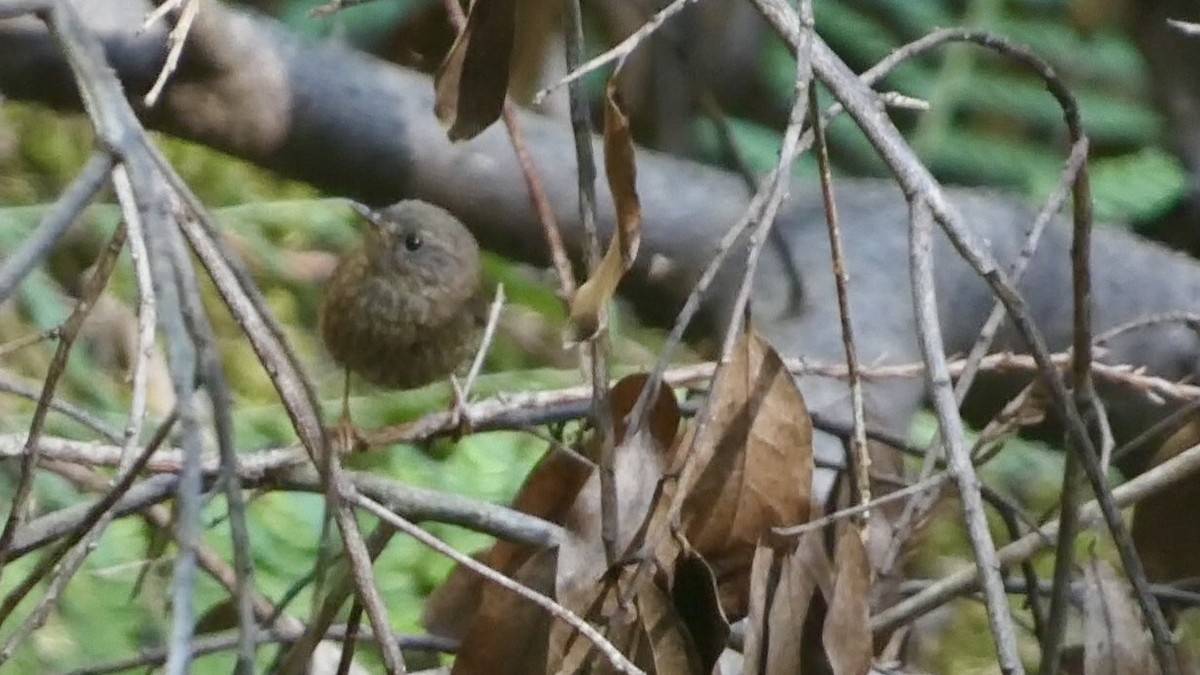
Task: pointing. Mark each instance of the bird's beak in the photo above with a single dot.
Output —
(368, 214)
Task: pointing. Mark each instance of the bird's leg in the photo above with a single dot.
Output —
(346, 435)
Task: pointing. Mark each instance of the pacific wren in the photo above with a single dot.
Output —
(407, 307)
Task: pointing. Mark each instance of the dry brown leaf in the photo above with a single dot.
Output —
(1165, 530)
(221, 616)
(1115, 641)
(451, 607)
(472, 81)
(547, 493)
(588, 303)
(847, 632)
(583, 583)
(782, 583)
(508, 633)
(665, 632)
(754, 466)
(694, 594)
(663, 420)
(649, 630)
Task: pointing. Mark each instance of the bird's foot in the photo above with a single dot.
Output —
(346, 437)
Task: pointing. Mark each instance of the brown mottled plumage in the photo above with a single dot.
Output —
(407, 307)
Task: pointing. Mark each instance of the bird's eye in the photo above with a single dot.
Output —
(413, 241)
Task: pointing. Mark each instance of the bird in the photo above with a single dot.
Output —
(406, 307)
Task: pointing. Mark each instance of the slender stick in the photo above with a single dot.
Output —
(858, 446)
(921, 242)
(614, 655)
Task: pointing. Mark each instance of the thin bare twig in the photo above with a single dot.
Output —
(489, 333)
(1081, 380)
(56, 221)
(930, 339)
(224, 641)
(1153, 481)
(334, 7)
(341, 495)
(11, 385)
(295, 660)
(92, 288)
(862, 509)
(183, 362)
(915, 510)
(525, 409)
(212, 376)
(462, 394)
(915, 179)
(1189, 319)
(24, 341)
(594, 352)
(610, 652)
(175, 41)
(75, 548)
(859, 450)
(147, 316)
(617, 53)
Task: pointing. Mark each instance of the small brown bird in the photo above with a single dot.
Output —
(407, 307)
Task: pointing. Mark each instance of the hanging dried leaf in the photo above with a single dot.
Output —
(587, 305)
(753, 464)
(847, 633)
(1115, 640)
(471, 83)
(782, 583)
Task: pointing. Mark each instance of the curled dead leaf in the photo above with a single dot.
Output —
(586, 585)
(587, 305)
(472, 82)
